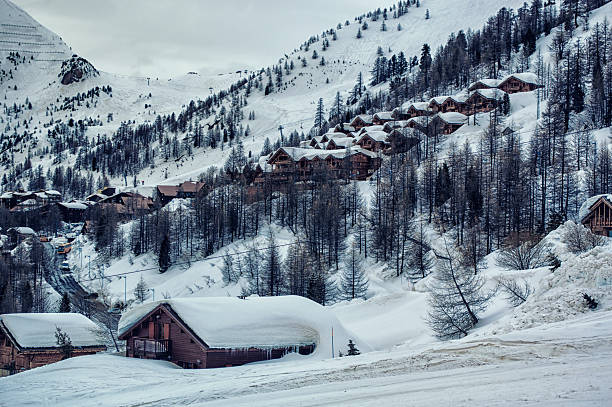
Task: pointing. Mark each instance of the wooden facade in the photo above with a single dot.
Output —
(162, 335)
(15, 358)
(599, 218)
(516, 85)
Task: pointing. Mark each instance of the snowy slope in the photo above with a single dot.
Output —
(293, 108)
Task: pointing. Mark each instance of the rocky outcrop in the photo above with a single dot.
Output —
(76, 69)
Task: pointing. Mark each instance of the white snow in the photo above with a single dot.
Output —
(38, 330)
(265, 322)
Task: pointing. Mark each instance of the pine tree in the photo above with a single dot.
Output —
(319, 115)
(352, 349)
(141, 290)
(354, 283)
(227, 271)
(65, 303)
(427, 14)
(337, 111)
(63, 341)
(358, 33)
(164, 254)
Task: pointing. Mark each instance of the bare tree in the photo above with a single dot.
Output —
(457, 296)
(580, 239)
(354, 283)
(516, 293)
(524, 255)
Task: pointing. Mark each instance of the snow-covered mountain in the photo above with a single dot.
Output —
(36, 78)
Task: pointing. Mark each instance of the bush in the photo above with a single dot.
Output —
(579, 239)
(525, 255)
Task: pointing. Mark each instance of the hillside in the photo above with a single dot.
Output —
(293, 107)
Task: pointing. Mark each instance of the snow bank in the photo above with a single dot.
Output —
(38, 330)
(231, 322)
(558, 296)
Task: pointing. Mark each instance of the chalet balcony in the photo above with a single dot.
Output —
(152, 348)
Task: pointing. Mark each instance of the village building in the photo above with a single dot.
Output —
(520, 82)
(373, 141)
(340, 143)
(484, 84)
(381, 118)
(127, 203)
(395, 124)
(345, 128)
(73, 212)
(447, 123)
(435, 104)
(213, 332)
(20, 234)
(26, 200)
(187, 189)
(598, 215)
(361, 121)
(455, 103)
(28, 340)
(485, 100)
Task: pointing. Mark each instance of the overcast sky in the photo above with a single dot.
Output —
(167, 38)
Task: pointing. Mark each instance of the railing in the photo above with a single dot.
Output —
(155, 348)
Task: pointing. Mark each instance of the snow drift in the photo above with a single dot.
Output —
(264, 322)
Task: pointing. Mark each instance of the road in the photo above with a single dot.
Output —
(80, 298)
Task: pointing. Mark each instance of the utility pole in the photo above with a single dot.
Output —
(280, 128)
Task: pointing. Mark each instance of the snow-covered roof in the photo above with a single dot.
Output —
(335, 135)
(73, 205)
(383, 116)
(438, 99)
(375, 135)
(492, 83)
(38, 330)
(496, 94)
(378, 127)
(41, 195)
(366, 118)
(230, 322)
(304, 144)
(394, 124)
(22, 230)
(6, 195)
(527, 77)
(459, 98)
(586, 206)
(453, 117)
(53, 192)
(343, 141)
(29, 202)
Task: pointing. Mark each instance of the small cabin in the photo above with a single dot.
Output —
(485, 100)
(454, 103)
(381, 118)
(599, 216)
(435, 104)
(361, 121)
(520, 82)
(447, 123)
(373, 141)
(211, 332)
(28, 340)
(484, 84)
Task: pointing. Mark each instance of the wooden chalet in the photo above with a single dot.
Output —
(128, 203)
(484, 84)
(340, 143)
(454, 103)
(19, 234)
(210, 332)
(72, 212)
(187, 189)
(373, 141)
(485, 100)
(28, 340)
(381, 118)
(361, 121)
(400, 141)
(599, 216)
(435, 104)
(411, 109)
(345, 128)
(447, 123)
(520, 82)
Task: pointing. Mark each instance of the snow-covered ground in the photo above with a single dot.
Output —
(566, 363)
